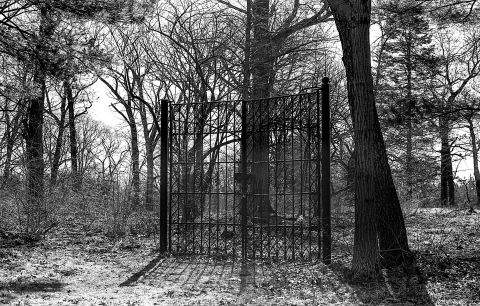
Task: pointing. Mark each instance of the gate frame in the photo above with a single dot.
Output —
(325, 212)
(325, 239)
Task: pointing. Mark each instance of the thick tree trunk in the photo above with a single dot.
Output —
(447, 184)
(476, 172)
(76, 179)
(59, 142)
(33, 126)
(35, 166)
(262, 70)
(375, 194)
(195, 200)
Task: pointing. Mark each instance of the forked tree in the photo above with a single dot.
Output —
(375, 194)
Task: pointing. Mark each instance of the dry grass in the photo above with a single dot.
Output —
(77, 267)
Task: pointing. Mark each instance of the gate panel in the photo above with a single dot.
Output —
(281, 155)
(290, 229)
(204, 200)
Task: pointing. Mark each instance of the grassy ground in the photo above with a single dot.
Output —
(73, 267)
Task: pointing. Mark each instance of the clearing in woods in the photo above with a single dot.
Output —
(74, 267)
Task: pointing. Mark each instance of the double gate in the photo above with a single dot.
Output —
(247, 179)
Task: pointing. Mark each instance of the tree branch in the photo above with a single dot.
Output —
(228, 4)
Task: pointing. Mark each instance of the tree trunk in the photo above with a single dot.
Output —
(135, 155)
(150, 176)
(149, 150)
(447, 185)
(262, 69)
(375, 194)
(33, 126)
(196, 199)
(476, 172)
(151, 139)
(76, 180)
(35, 166)
(58, 142)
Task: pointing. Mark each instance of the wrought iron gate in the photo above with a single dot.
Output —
(247, 178)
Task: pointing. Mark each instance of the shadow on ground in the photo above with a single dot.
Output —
(307, 281)
(32, 286)
(393, 286)
(198, 272)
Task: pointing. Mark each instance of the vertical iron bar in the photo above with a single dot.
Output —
(310, 173)
(276, 157)
(243, 165)
(269, 132)
(301, 154)
(293, 157)
(181, 224)
(219, 192)
(284, 151)
(325, 212)
(163, 175)
(235, 185)
(226, 165)
(210, 188)
(319, 175)
(170, 201)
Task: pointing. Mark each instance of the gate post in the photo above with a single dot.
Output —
(163, 175)
(243, 182)
(325, 211)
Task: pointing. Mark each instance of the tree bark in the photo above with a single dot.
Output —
(262, 61)
(447, 184)
(59, 141)
(76, 179)
(150, 136)
(476, 171)
(35, 165)
(150, 143)
(375, 194)
(33, 126)
(135, 155)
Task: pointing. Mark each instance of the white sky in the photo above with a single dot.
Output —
(101, 109)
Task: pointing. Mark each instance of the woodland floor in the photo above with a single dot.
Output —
(73, 267)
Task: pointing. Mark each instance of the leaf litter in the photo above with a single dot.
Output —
(73, 268)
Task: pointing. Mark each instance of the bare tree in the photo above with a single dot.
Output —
(460, 61)
(267, 45)
(12, 92)
(120, 79)
(375, 194)
(35, 45)
(196, 46)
